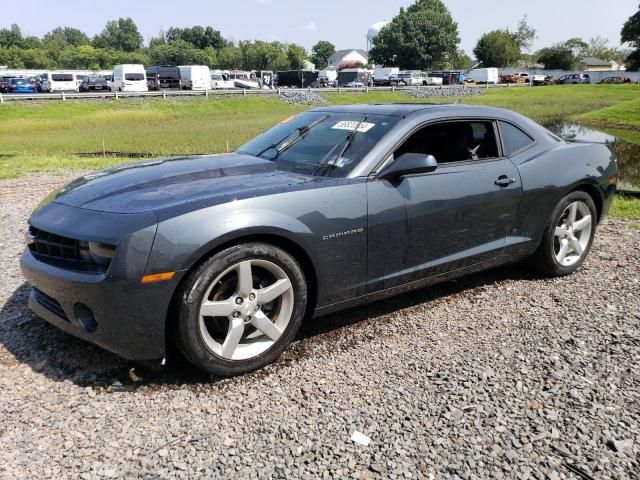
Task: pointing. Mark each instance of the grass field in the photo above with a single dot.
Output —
(48, 136)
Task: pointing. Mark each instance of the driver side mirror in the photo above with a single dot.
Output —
(409, 164)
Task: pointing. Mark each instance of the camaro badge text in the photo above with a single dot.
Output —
(343, 234)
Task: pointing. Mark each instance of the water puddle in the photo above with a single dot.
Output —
(624, 143)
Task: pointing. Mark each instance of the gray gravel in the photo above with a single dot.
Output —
(437, 92)
(498, 375)
(302, 98)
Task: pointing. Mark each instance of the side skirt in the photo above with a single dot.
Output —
(415, 285)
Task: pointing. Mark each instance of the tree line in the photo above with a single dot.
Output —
(425, 36)
(121, 42)
(422, 36)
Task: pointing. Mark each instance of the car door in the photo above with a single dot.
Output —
(428, 224)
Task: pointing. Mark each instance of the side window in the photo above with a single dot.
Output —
(453, 141)
(514, 139)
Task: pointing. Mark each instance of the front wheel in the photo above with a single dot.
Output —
(568, 236)
(240, 309)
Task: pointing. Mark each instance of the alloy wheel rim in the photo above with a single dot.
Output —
(572, 234)
(246, 309)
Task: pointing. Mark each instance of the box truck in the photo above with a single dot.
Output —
(484, 75)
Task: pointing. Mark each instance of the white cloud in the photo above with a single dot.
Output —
(310, 27)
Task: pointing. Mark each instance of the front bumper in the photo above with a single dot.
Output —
(128, 317)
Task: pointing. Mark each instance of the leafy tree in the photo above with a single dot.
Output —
(321, 52)
(11, 37)
(229, 57)
(65, 36)
(498, 48)
(12, 56)
(598, 47)
(178, 52)
(121, 34)
(461, 61)
(35, 58)
(525, 34)
(631, 34)
(422, 36)
(157, 41)
(199, 37)
(297, 56)
(31, 42)
(558, 57)
(576, 45)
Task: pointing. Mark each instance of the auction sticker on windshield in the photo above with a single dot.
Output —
(352, 125)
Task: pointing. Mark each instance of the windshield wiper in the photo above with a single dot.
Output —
(292, 138)
(333, 163)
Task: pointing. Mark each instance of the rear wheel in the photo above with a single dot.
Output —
(568, 236)
(240, 309)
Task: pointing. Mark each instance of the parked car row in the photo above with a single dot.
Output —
(137, 78)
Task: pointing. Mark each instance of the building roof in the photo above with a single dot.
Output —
(596, 62)
(340, 54)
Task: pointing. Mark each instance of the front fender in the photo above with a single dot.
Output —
(328, 224)
(181, 242)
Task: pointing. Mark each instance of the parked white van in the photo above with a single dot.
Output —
(129, 78)
(195, 77)
(59, 82)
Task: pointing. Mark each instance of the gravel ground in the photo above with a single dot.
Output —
(302, 98)
(434, 92)
(498, 375)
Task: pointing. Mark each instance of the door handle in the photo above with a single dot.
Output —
(504, 181)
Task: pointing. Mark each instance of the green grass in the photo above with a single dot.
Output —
(47, 136)
(626, 114)
(625, 207)
(561, 102)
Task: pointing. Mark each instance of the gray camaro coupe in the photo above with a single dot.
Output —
(225, 255)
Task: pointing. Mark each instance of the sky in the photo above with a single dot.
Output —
(344, 23)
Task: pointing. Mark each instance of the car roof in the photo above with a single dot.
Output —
(405, 109)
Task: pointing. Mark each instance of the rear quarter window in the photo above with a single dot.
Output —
(514, 139)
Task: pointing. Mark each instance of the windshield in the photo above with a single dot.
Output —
(311, 142)
(134, 76)
(62, 77)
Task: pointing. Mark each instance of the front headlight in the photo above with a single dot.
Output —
(99, 253)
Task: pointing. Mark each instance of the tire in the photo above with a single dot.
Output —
(234, 342)
(566, 243)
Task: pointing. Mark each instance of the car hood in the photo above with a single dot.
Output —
(186, 182)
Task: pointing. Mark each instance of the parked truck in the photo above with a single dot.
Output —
(484, 75)
(382, 76)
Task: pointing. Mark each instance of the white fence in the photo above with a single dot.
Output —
(242, 92)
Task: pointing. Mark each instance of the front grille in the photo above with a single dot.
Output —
(50, 304)
(62, 251)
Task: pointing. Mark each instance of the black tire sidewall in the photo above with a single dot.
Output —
(196, 284)
(547, 256)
